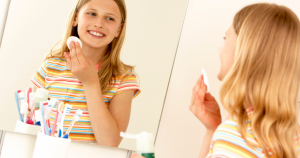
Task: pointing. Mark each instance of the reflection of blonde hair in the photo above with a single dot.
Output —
(112, 64)
(265, 74)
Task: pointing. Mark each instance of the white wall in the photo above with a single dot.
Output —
(153, 30)
(4, 4)
(180, 133)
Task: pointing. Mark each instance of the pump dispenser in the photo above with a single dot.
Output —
(41, 94)
(144, 143)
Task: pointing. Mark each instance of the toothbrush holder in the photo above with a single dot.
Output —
(22, 127)
(49, 147)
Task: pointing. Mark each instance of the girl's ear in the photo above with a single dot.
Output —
(75, 22)
(119, 31)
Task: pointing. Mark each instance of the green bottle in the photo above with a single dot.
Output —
(144, 143)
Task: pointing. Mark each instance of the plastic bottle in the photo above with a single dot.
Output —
(41, 94)
(144, 143)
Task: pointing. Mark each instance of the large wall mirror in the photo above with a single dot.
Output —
(152, 35)
(202, 35)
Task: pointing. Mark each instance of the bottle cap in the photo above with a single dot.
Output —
(140, 136)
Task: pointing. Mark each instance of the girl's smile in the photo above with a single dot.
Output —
(96, 34)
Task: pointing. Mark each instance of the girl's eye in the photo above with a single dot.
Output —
(91, 13)
(111, 19)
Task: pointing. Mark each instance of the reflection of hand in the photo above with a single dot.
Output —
(136, 156)
(81, 67)
(205, 107)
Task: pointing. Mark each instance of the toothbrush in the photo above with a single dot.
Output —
(43, 121)
(61, 108)
(55, 121)
(21, 98)
(47, 116)
(24, 110)
(17, 101)
(31, 105)
(75, 119)
(67, 110)
(37, 116)
(28, 91)
(51, 103)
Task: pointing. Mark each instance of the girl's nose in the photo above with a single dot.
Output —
(99, 25)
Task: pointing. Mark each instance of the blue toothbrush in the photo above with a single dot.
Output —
(18, 106)
(43, 119)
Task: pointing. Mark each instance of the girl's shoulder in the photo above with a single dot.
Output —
(227, 128)
(125, 71)
(56, 61)
(227, 140)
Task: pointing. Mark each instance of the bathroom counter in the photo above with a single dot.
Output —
(18, 145)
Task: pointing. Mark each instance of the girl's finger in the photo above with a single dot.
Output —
(193, 101)
(209, 97)
(74, 59)
(199, 83)
(199, 103)
(67, 56)
(202, 90)
(79, 54)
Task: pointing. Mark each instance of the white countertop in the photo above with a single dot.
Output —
(18, 145)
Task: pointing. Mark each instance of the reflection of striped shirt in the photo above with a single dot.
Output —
(227, 141)
(55, 76)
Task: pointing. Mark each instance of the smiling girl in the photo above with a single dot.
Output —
(92, 78)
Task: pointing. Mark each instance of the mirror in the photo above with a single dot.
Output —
(202, 35)
(152, 35)
(3, 14)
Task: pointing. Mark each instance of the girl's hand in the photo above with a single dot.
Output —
(81, 67)
(136, 156)
(205, 107)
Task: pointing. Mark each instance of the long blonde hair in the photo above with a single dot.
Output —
(111, 65)
(266, 75)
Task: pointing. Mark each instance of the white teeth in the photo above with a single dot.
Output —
(96, 34)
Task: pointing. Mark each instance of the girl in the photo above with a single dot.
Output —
(260, 65)
(92, 78)
(260, 73)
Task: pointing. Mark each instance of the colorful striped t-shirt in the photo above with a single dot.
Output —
(55, 76)
(227, 142)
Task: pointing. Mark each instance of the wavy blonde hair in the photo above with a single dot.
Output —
(266, 75)
(112, 64)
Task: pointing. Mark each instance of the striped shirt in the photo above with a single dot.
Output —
(227, 142)
(55, 76)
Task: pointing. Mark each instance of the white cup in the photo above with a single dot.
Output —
(22, 127)
(49, 147)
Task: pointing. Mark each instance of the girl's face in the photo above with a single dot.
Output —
(99, 22)
(227, 52)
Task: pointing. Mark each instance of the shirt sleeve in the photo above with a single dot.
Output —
(129, 82)
(39, 78)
